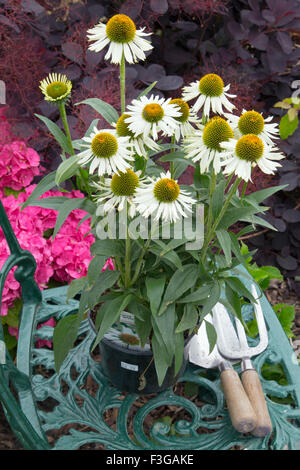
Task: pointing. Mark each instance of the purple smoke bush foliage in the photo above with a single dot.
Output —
(252, 44)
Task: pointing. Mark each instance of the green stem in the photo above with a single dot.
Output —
(127, 258)
(172, 169)
(122, 84)
(63, 115)
(140, 260)
(211, 233)
(244, 189)
(212, 187)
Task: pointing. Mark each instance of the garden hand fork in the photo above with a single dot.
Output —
(227, 345)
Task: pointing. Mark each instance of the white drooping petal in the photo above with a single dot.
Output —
(119, 161)
(133, 50)
(164, 122)
(147, 204)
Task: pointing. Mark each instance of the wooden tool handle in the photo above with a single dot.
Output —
(256, 396)
(242, 415)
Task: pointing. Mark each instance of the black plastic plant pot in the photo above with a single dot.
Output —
(133, 370)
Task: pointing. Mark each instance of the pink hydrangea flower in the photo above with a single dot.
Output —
(19, 164)
(64, 258)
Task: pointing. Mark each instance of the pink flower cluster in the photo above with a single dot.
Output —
(19, 164)
(65, 258)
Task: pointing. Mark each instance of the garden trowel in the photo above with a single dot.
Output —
(241, 413)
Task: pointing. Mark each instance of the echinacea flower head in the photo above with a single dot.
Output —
(121, 35)
(56, 88)
(186, 119)
(164, 199)
(119, 190)
(211, 94)
(139, 143)
(204, 145)
(247, 152)
(149, 116)
(106, 152)
(252, 122)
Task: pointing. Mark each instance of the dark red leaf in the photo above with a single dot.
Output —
(292, 216)
(159, 6)
(170, 82)
(287, 262)
(32, 7)
(131, 8)
(73, 51)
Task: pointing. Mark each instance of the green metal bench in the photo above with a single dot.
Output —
(31, 382)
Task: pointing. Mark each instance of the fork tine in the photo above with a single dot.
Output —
(261, 325)
(241, 334)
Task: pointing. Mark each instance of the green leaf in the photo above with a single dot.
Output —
(287, 127)
(142, 318)
(95, 267)
(286, 316)
(47, 183)
(155, 288)
(218, 198)
(147, 90)
(176, 157)
(106, 110)
(234, 215)
(234, 301)
(66, 169)
(64, 336)
(76, 286)
(105, 280)
(214, 297)
(57, 133)
(189, 318)
(107, 248)
(179, 283)
(237, 286)
(292, 114)
(225, 243)
(13, 315)
(67, 207)
(179, 349)
(161, 361)
(170, 258)
(195, 297)
(200, 181)
(211, 335)
(109, 313)
(259, 221)
(235, 247)
(164, 327)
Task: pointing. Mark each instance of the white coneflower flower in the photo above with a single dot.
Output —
(247, 152)
(56, 87)
(210, 93)
(119, 190)
(164, 199)
(204, 144)
(149, 116)
(186, 119)
(252, 122)
(121, 35)
(106, 152)
(139, 143)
